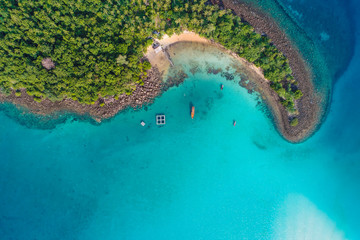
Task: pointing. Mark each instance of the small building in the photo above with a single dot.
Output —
(160, 119)
(155, 44)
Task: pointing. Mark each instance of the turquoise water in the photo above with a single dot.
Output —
(191, 179)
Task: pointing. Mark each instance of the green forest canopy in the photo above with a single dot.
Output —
(98, 46)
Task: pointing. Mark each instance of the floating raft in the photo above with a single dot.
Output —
(160, 119)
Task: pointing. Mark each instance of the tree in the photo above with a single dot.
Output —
(121, 60)
(294, 122)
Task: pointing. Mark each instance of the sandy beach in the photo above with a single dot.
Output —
(159, 59)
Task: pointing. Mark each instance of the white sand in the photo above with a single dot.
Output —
(160, 60)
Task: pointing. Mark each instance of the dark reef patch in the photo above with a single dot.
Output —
(259, 145)
(247, 84)
(212, 70)
(209, 103)
(175, 79)
(227, 75)
(195, 68)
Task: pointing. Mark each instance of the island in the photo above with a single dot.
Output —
(92, 57)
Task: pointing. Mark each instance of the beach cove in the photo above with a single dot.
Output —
(308, 110)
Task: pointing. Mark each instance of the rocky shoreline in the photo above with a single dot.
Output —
(144, 94)
(308, 106)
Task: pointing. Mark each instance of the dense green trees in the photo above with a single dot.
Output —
(294, 122)
(98, 46)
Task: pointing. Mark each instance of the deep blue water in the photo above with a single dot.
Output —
(191, 179)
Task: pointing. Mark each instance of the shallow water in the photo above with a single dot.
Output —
(190, 179)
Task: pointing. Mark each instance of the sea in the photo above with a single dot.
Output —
(204, 178)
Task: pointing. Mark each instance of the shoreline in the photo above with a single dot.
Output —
(309, 105)
(143, 95)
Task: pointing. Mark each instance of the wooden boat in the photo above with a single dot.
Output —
(222, 87)
(192, 111)
(234, 123)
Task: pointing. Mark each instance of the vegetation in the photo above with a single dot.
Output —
(98, 46)
(294, 122)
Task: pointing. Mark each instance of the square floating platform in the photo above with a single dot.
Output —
(160, 119)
